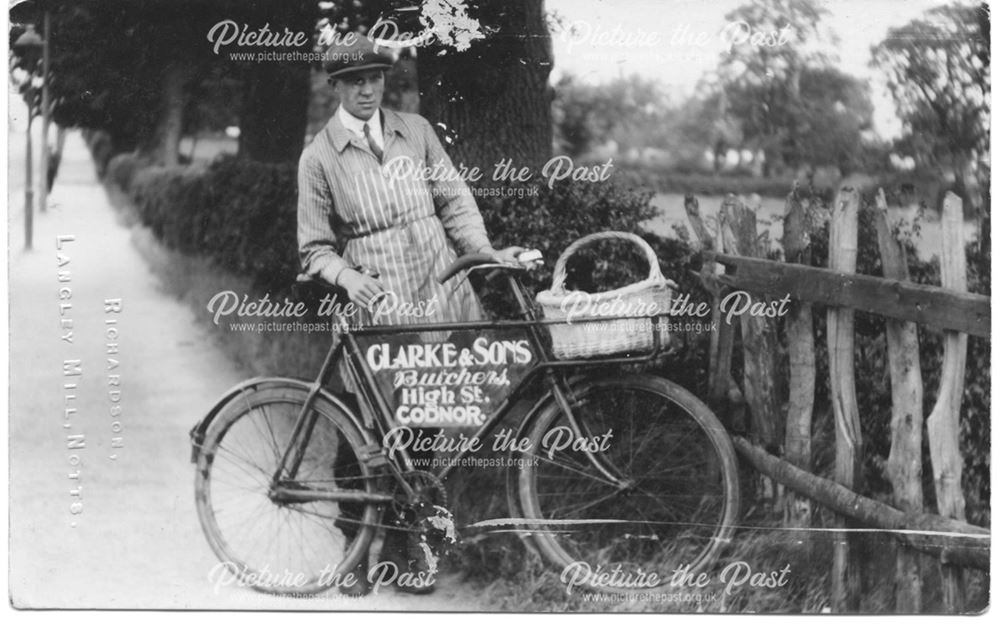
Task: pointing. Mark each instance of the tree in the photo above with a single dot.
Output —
(833, 110)
(493, 95)
(171, 51)
(273, 117)
(485, 79)
(482, 71)
(761, 80)
(96, 78)
(937, 68)
(131, 68)
(704, 124)
(630, 111)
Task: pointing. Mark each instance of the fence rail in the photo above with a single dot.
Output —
(930, 305)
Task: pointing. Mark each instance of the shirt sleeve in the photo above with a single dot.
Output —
(317, 241)
(455, 205)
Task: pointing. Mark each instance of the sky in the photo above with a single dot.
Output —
(658, 39)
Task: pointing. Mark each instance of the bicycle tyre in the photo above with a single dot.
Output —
(682, 503)
(254, 537)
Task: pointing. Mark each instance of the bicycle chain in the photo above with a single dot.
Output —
(430, 485)
(427, 489)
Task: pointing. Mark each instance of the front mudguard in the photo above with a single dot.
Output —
(197, 433)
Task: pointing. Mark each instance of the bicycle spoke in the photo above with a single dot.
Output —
(270, 432)
(245, 526)
(676, 496)
(567, 467)
(586, 504)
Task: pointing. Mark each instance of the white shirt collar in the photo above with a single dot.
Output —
(357, 126)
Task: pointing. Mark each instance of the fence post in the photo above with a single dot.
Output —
(738, 225)
(943, 428)
(903, 467)
(840, 344)
(802, 364)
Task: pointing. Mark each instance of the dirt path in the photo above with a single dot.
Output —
(136, 542)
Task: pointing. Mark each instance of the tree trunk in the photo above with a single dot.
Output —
(274, 116)
(165, 149)
(275, 106)
(770, 161)
(493, 98)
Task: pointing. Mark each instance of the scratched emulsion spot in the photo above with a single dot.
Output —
(450, 23)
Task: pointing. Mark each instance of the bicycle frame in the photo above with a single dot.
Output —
(377, 414)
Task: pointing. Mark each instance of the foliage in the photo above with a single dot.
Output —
(237, 212)
(832, 112)
(938, 70)
(109, 59)
(122, 169)
(669, 180)
(630, 112)
(132, 67)
(787, 99)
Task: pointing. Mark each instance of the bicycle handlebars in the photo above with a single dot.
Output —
(465, 262)
(470, 261)
(525, 260)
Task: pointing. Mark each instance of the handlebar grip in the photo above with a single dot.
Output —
(465, 262)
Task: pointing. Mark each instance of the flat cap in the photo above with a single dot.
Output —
(355, 54)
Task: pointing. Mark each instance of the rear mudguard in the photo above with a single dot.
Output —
(197, 433)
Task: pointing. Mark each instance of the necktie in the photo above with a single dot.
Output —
(377, 151)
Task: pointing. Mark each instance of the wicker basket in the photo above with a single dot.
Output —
(620, 333)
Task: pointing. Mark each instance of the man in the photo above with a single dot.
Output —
(371, 221)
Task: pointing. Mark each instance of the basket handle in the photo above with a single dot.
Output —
(559, 273)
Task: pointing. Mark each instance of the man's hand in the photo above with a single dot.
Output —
(360, 288)
(508, 254)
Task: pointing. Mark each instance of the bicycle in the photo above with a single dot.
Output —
(642, 480)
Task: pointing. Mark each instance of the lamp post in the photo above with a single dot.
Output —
(46, 109)
(29, 46)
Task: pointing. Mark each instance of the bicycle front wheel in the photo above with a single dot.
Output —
(648, 488)
(275, 544)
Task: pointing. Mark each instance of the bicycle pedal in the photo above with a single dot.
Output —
(372, 455)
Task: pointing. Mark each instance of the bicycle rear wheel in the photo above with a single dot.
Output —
(673, 499)
(273, 544)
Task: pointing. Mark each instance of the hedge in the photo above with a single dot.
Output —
(239, 213)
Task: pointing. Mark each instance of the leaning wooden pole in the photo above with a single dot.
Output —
(738, 225)
(847, 424)
(903, 466)
(723, 393)
(949, 540)
(943, 428)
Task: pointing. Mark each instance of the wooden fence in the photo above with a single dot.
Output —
(734, 258)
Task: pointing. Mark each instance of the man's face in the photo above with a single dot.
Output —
(361, 93)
